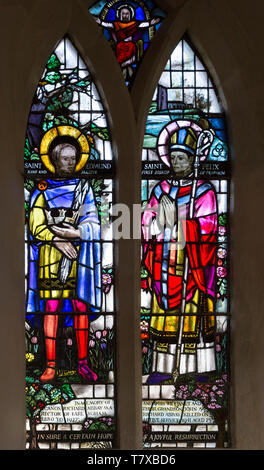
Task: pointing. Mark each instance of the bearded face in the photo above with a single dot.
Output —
(125, 15)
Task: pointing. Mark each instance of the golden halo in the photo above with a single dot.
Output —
(61, 131)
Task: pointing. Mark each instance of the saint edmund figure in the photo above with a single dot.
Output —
(126, 32)
(179, 252)
(65, 260)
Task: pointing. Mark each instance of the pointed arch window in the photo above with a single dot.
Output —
(185, 308)
(70, 299)
(129, 26)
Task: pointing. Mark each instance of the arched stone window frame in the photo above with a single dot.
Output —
(29, 32)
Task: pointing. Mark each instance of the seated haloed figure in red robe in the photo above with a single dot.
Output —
(124, 31)
(170, 237)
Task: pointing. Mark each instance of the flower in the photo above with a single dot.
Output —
(182, 393)
(104, 333)
(91, 343)
(221, 230)
(221, 271)
(34, 340)
(106, 278)
(144, 284)
(106, 281)
(144, 336)
(221, 253)
(87, 423)
(144, 325)
(30, 357)
(69, 342)
(98, 334)
(213, 406)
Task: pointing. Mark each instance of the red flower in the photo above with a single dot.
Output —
(144, 336)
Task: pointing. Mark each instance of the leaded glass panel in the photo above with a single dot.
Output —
(185, 273)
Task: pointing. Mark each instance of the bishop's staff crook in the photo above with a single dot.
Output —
(201, 147)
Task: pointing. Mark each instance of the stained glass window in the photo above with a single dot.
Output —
(70, 301)
(129, 26)
(185, 307)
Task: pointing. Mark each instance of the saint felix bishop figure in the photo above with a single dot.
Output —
(179, 227)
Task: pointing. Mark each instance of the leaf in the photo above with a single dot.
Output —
(66, 388)
(31, 391)
(55, 395)
(42, 396)
(98, 426)
(192, 387)
(83, 83)
(30, 379)
(30, 403)
(34, 156)
(52, 77)
(144, 273)
(60, 101)
(153, 108)
(30, 154)
(27, 149)
(53, 62)
(29, 184)
(222, 286)
(222, 220)
(145, 311)
(102, 132)
(47, 125)
(47, 387)
(60, 120)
